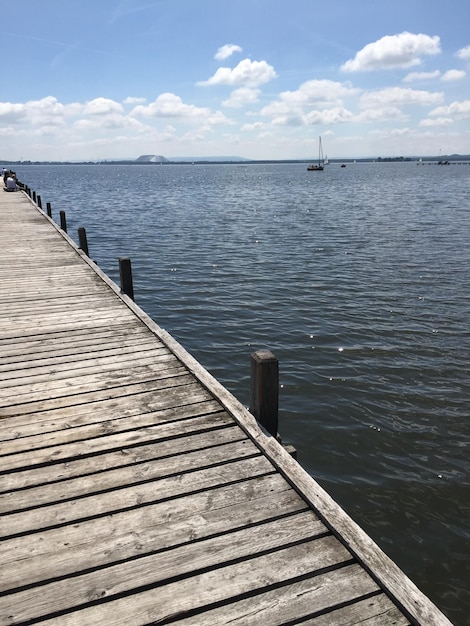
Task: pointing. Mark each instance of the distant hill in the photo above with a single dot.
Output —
(151, 158)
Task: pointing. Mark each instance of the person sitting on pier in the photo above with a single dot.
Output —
(10, 184)
(6, 174)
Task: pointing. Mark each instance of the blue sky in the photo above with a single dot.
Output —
(261, 79)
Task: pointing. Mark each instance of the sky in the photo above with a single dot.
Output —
(258, 79)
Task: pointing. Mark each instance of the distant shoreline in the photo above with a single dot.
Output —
(455, 158)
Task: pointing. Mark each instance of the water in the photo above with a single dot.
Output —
(358, 279)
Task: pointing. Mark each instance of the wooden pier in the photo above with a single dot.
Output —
(135, 489)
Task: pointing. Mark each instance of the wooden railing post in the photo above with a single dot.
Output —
(39, 201)
(264, 397)
(34, 196)
(82, 240)
(63, 221)
(48, 209)
(125, 272)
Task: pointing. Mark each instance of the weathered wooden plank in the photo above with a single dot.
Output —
(107, 365)
(25, 298)
(60, 426)
(15, 390)
(127, 475)
(225, 583)
(212, 430)
(83, 357)
(373, 611)
(62, 551)
(132, 496)
(41, 454)
(153, 569)
(45, 274)
(182, 378)
(79, 335)
(90, 296)
(48, 282)
(86, 321)
(300, 601)
(23, 353)
(64, 319)
(166, 366)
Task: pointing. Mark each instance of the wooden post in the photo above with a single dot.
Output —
(125, 272)
(82, 240)
(63, 221)
(39, 201)
(264, 398)
(34, 196)
(48, 209)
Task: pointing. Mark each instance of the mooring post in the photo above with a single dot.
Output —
(39, 201)
(63, 221)
(82, 240)
(34, 196)
(48, 209)
(125, 272)
(264, 397)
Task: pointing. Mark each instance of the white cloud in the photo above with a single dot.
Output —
(248, 73)
(254, 126)
(393, 51)
(12, 112)
(242, 96)
(464, 53)
(45, 111)
(226, 51)
(440, 121)
(329, 116)
(7, 132)
(459, 109)
(134, 100)
(318, 92)
(401, 131)
(169, 105)
(415, 76)
(315, 102)
(380, 114)
(73, 109)
(110, 122)
(400, 96)
(451, 75)
(102, 106)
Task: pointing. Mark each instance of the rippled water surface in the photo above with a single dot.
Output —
(358, 279)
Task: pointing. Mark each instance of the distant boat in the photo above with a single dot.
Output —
(319, 166)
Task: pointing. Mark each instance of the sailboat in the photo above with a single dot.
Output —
(319, 166)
